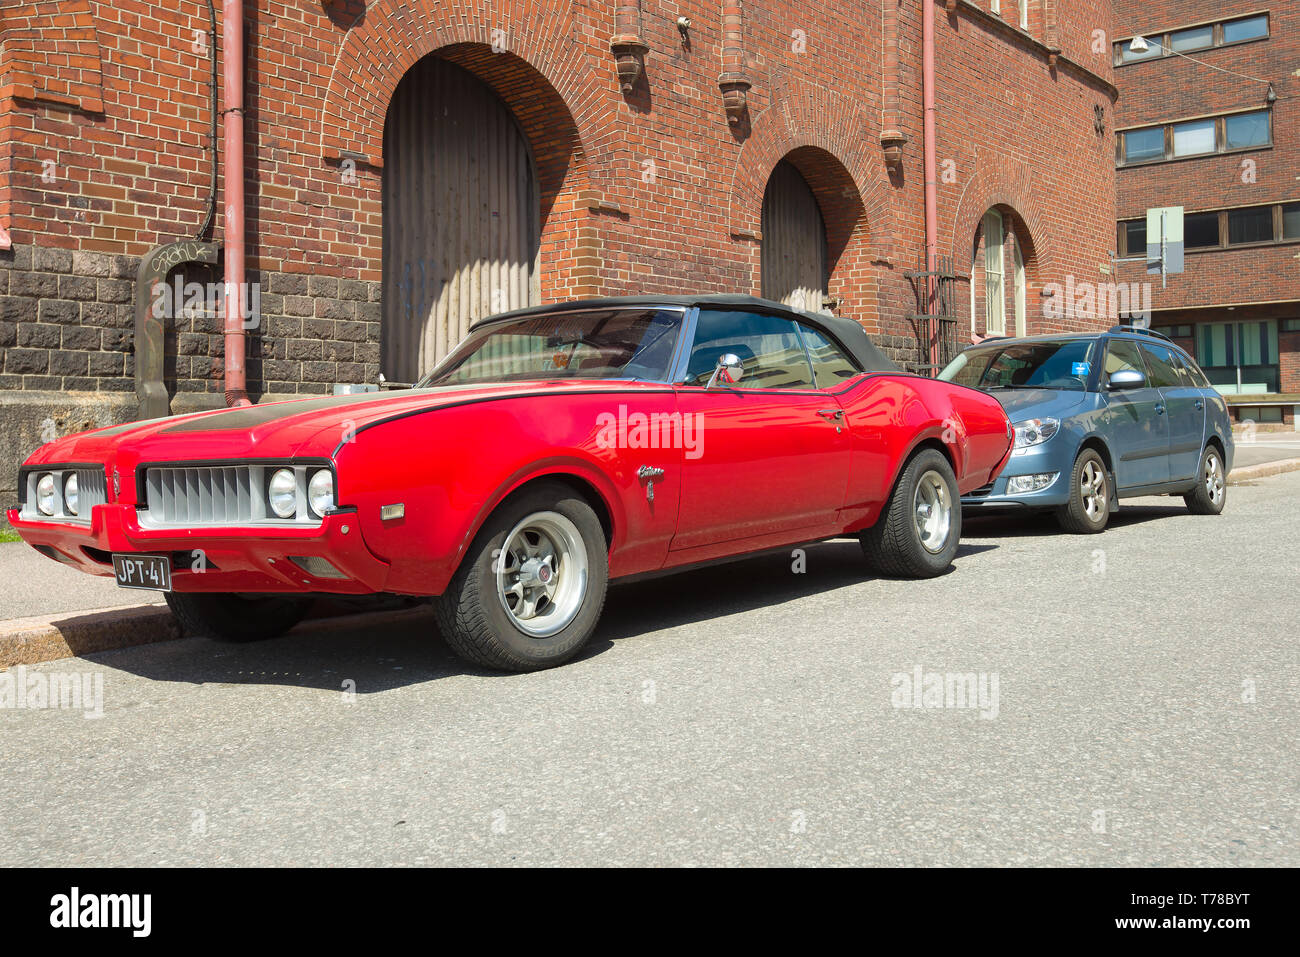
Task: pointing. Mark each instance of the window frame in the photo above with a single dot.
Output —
(1162, 39)
(1279, 238)
(1166, 127)
(990, 218)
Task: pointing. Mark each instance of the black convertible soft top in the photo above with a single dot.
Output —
(847, 332)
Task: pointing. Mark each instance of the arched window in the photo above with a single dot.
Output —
(995, 309)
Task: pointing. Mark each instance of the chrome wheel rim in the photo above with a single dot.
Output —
(1214, 478)
(1092, 491)
(932, 508)
(541, 574)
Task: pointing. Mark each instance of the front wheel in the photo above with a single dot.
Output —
(917, 533)
(1210, 493)
(532, 585)
(237, 618)
(1088, 509)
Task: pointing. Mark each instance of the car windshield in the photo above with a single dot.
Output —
(582, 344)
(1062, 364)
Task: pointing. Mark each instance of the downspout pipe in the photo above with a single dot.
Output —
(931, 172)
(232, 56)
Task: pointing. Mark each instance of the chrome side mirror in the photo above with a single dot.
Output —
(1126, 379)
(728, 371)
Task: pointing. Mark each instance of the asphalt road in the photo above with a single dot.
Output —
(1146, 714)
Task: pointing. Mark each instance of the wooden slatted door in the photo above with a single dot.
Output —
(461, 217)
(794, 241)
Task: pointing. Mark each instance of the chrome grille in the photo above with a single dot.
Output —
(92, 490)
(205, 495)
(216, 495)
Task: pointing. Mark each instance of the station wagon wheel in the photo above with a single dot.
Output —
(1210, 493)
(919, 529)
(531, 587)
(542, 574)
(1088, 509)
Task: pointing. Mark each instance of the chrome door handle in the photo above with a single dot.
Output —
(832, 414)
(1199, 405)
(1160, 410)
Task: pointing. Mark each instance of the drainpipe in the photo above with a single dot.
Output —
(931, 165)
(232, 55)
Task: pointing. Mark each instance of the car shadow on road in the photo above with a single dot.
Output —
(369, 654)
(717, 591)
(1042, 524)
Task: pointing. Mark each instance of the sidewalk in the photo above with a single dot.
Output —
(1264, 447)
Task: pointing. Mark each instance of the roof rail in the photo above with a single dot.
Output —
(1141, 330)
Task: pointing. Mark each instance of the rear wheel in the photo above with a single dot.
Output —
(237, 618)
(919, 529)
(532, 586)
(1088, 510)
(1210, 493)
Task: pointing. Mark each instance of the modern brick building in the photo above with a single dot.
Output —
(1209, 119)
(415, 164)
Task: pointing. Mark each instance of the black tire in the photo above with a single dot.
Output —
(236, 618)
(1089, 507)
(473, 614)
(895, 545)
(1210, 493)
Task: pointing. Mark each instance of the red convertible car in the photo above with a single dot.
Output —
(553, 450)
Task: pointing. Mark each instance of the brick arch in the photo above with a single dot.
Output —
(1010, 186)
(50, 52)
(539, 74)
(827, 140)
(1006, 187)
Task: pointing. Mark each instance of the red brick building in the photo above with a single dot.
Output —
(415, 164)
(1209, 119)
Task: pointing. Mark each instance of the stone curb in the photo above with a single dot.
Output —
(29, 641)
(1264, 469)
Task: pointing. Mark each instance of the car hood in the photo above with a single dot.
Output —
(297, 427)
(1024, 404)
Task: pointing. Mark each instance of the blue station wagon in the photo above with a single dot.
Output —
(1100, 417)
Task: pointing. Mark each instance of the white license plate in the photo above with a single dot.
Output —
(150, 572)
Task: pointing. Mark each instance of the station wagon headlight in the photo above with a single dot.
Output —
(45, 494)
(282, 493)
(1035, 431)
(70, 494)
(320, 492)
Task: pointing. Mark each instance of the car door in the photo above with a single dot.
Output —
(1134, 420)
(773, 453)
(1184, 407)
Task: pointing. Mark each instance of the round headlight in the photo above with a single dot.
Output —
(282, 493)
(320, 492)
(70, 494)
(45, 494)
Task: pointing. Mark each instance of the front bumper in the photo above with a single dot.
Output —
(232, 559)
(1050, 456)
